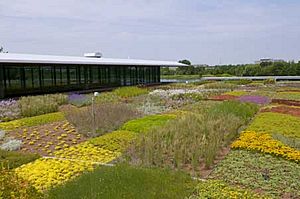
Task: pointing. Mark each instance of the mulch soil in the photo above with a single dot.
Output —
(223, 97)
(286, 102)
(284, 109)
(46, 139)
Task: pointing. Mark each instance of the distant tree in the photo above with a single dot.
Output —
(185, 61)
(2, 50)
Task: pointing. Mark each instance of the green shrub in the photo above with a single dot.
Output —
(276, 123)
(42, 104)
(13, 159)
(126, 182)
(144, 124)
(107, 117)
(12, 187)
(130, 91)
(32, 121)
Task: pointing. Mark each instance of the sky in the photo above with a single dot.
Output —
(202, 31)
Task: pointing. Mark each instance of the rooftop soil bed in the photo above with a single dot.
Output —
(286, 102)
(223, 97)
(47, 138)
(294, 111)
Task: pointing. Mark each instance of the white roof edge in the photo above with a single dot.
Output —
(53, 59)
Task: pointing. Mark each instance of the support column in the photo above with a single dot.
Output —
(1, 81)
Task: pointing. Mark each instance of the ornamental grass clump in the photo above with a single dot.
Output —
(106, 118)
(130, 91)
(191, 140)
(41, 104)
(9, 110)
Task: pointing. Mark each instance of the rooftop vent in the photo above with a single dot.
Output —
(93, 55)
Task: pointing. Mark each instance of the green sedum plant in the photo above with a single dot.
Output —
(142, 125)
(276, 123)
(32, 121)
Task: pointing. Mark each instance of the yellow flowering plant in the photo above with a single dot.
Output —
(264, 143)
(45, 173)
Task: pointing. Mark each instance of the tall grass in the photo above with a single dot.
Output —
(126, 182)
(42, 104)
(107, 117)
(130, 91)
(193, 139)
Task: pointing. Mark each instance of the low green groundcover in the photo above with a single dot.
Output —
(276, 123)
(126, 182)
(260, 172)
(144, 124)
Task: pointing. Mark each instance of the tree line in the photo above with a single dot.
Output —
(262, 69)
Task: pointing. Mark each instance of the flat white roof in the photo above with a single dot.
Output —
(52, 59)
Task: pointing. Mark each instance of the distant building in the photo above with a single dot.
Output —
(22, 74)
(264, 60)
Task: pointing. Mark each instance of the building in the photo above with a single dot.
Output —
(22, 74)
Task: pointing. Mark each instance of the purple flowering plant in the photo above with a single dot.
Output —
(79, 100)
(255, 99)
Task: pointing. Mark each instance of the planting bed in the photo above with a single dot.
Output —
(157, 141)
(290, 110)
(46, 139)
(223, 97)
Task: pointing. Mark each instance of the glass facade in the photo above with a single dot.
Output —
(20, 78)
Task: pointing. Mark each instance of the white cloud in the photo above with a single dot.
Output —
(202, 30)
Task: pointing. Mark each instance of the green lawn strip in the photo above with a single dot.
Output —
(276, 123)
(32, 121)
(144, 124)
(13, 159)
(126, 182)
(260, 172)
